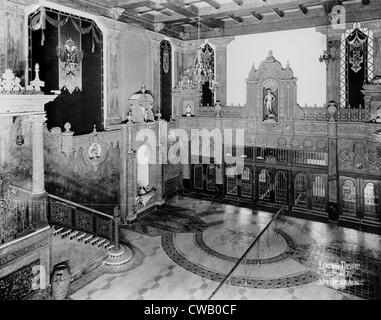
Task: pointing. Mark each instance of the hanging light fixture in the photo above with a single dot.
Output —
(327, 55)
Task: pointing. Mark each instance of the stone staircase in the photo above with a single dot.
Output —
(85, 238)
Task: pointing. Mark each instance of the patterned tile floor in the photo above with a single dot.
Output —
(186, 249)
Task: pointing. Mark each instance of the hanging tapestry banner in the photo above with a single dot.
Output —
(166, 51)
(70, 57)
(356, 42)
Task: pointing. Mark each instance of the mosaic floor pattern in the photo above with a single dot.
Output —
(191, 245)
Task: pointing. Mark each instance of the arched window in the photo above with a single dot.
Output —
(349, 195)
(231, 181)
(142, 158)
(356, 64)
(211, 177)
(281, 187)
(319, 199)
(300, 190)
(371, 201)
(264, 185)
(247, 183)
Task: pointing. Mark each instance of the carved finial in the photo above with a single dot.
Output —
(271, 54)
(95, 128)
(116, 212)
(37, 84)
(143, 88)
(67, 127)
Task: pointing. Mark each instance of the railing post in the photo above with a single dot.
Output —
(116, 228)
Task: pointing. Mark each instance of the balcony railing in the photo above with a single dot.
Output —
(16, 215)
(71, 215)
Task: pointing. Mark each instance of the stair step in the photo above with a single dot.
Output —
(101, 242)
(106, 244)
(95, 240)
(73, 234)
(87, 238)
(57, 230)
(81, 236)
(109, 247)
(65, 233)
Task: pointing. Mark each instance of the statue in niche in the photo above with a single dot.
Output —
(188, 110)
(268, 104)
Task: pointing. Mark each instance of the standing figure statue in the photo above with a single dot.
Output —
(269, 98)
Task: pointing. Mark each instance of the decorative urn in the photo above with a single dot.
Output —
(60, 282)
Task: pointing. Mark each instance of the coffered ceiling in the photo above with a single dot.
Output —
(192, 19)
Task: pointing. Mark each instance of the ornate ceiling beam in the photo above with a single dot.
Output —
(256, 15)
(213, 3)
(236, 18)
(239, 2)
(280, 13)
(134, 5)
(302, 9)
(316, 17)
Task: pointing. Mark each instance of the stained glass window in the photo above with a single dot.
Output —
(264, 185)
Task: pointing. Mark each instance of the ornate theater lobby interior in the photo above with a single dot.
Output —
(185, 250)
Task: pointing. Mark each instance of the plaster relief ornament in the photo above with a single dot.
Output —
(188, 110)
(158, 26)
(70, 64)
(94, 151)
(10, 84)
(116, 12)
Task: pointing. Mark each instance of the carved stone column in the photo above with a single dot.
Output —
(38, 201)
(154, 60)
(333, 66)
(37, 123)
(131, 175)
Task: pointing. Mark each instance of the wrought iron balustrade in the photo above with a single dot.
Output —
(224, 112)
(16, 215)
(71, 215)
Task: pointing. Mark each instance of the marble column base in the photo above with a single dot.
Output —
(117, 261)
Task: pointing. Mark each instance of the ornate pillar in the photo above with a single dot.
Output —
(221, 66)
(112, 74)
(377, 50)
(154, 66)
(131, 175)
(37, 124)
(186, 171)
(333, 66)
(333, 207)
(38, 201)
